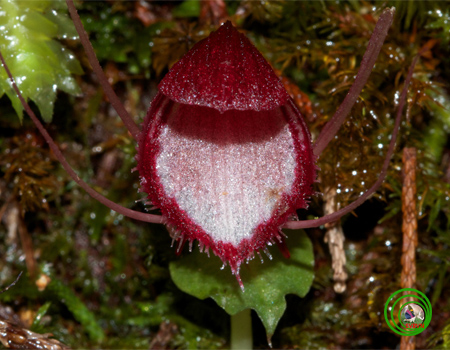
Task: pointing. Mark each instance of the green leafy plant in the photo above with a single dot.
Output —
(266, 283)
(41, 64)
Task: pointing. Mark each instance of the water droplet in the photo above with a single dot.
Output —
(97, 149)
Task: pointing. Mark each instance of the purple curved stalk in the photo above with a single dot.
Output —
(336, 215)
(94, 194)
(118, 106)
(373, 49)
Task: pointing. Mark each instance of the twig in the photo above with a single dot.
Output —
(409, 228)
(12, 284)
(335, 239)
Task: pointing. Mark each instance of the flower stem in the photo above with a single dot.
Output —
(241, 331)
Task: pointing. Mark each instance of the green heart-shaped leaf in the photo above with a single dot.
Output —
(266, 284)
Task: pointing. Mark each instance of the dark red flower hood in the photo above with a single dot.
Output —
(224, 71)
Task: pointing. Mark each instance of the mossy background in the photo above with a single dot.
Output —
(110, 285)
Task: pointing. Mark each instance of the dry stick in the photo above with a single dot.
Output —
(12, 284)
(368, 61)
(293, 225)
(94, 194)
(335, 239)
(409, 228)
(118, 106)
